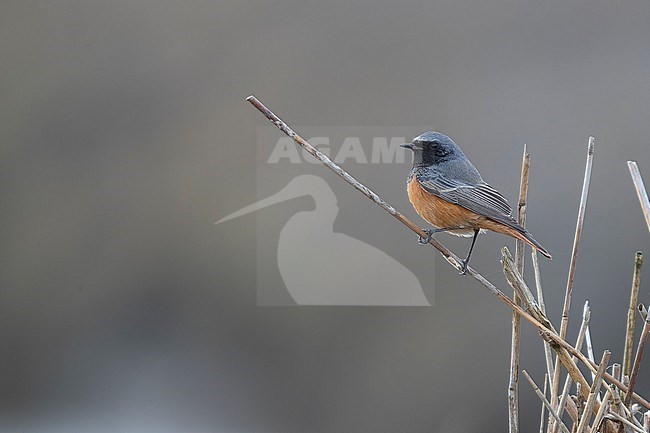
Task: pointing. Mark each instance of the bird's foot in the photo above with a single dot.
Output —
(425, 240)
(463, 267)
(429, 232)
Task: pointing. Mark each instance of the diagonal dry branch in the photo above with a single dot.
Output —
(553, 338)
(541, 417)
(446, 253)
(561, 347)
(545, 402)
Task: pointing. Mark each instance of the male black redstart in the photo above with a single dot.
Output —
(448, 192)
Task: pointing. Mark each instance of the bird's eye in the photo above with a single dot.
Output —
(441, 151)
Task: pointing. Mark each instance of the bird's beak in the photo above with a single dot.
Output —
(287, 193)
(407, 145)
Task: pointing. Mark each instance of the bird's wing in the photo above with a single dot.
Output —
(480, 198)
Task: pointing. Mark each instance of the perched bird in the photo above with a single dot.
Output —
(449, 193)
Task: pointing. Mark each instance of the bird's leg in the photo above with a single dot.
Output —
(429, 232)
(464, 262)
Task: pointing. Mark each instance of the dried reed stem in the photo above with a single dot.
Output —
(586, 315)
(601, 412)
(593, 392)
(631, 415)
(574, 254)
(637, 359)
(546, 403)
(516, 281)
(580, 406)
(522, 205)
(574, 372)
(646, 422)
(542, 305)
(590, 348)
(631, 313)
(541, 418)
(571, 408)
(640, 190)
(616, 370)
(645, 206)
(549, 334)
(617, 417)
(513, 381)
(593, 367)
(616, 401)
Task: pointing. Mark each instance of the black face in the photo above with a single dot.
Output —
(430, 152)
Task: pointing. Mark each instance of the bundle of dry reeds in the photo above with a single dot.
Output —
(596, 406)
(605, 404)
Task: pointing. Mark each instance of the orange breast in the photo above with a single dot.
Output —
(442, 214)
(438, 212)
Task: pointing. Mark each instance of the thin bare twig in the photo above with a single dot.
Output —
(513, 381)
(631, 313)
(542, 418)
(593, 392)
(542, 397)
(559, 344)
(574, 254)
(446, 253)
(646, 422)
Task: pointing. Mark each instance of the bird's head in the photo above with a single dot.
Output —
(430, 148)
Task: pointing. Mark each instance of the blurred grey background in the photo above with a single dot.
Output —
(125, 135)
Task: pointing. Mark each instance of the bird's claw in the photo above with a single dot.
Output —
(463, 267)
(424, 241)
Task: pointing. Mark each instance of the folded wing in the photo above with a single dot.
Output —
(480, 198)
